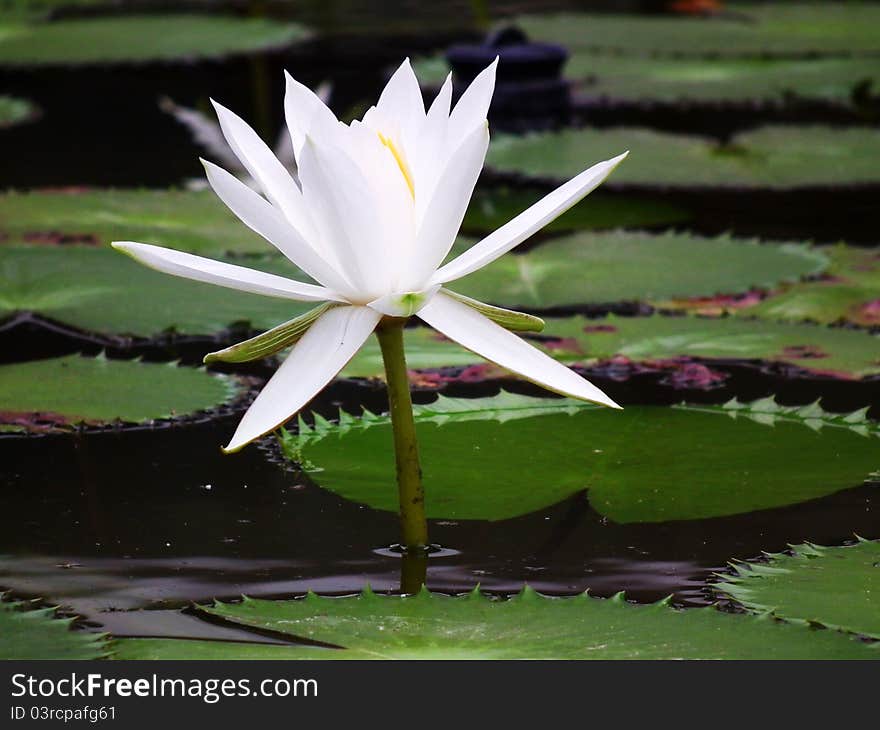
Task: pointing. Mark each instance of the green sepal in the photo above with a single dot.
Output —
(507, 318)
(271, 341)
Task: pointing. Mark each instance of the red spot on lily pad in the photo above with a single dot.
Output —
(599, 328)
(869, 313)
(562, 344)
(719, 304)
(803, 352)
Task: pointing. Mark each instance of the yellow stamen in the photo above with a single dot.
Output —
(401, 163)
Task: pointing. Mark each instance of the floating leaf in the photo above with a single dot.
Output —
(37, 634)
(837, 587)
(15, 111)
(638, 79)
(98, 290)
(768, 157)
(527, 626)
(189, 221)
(619, 266)
(831, 350)
(849, 292)
(755, 29)
(491, 208)
(48, 394)
(139, 38)
(642, 464)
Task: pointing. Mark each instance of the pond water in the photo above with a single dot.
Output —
(104, 522)
(156, 518)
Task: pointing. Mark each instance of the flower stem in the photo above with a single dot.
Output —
(413, 525)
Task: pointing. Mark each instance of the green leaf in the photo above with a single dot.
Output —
(642, 464)
(850, 292)
(36, 634)
(836, 587)
(99, 290)
(507, 318)
(768, 157)
(834, 351)
(619, 266)
(48, 394)
(15, 111)
(637, 79)
(491, 208)
(139, 38)
(749, 29)
(271, 342)
(528, 626)
(196, 222)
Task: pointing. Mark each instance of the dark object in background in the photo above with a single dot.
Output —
(530, 91)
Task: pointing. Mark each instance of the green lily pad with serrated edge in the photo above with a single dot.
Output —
(849, 292)
(636, 79)
(592, 267)
(140, 38)
(836, 587)
(642, 464)
(57, 393)
(99, 290)
(746, 29)
(15, 111)
(493, 207)
(197, 222)
(527, 626)
(193, 221)
(844, 353)
(781, 157)
(30, 633)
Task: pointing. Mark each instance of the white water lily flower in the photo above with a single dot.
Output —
(377, 209)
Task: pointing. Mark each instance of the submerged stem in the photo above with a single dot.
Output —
(413, 525)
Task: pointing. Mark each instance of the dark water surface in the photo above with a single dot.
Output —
(114, 521)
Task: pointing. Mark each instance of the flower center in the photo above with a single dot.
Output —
(401, 162)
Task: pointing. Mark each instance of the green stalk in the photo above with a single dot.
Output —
(413, 525)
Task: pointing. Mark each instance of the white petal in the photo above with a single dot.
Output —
(199, 268)
(261, 217)
(264, 167)
(473, 106)
(401, 101)
(314, 361)
(479, 334)
(430, 153)
(306, 113)
(445, 211)
(530, 221)
(346, 215)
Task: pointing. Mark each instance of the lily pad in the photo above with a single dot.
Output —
(642, 464)
(60, 392)
(37, 634)
(139, 38)
(97, 290)
(618, 266)
(836, 587)
(834, 351)
(849, 292)
(193, 221)
(528, 626)
(748, 29)
(492, 208)
(767, 157)
(716, 80)
(15, 111)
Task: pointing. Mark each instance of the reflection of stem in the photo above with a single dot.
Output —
(413, 570)
(413, 526)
